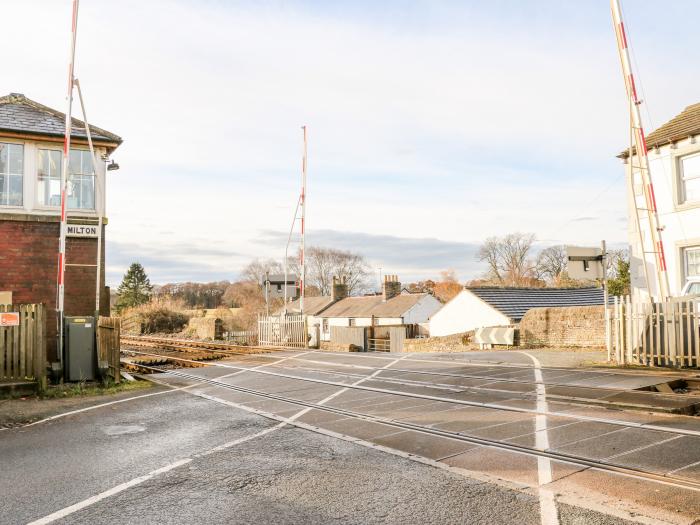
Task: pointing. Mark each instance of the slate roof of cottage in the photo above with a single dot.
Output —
(20, 114)
(682, 126)
(373, 305)
(514, 302)
(312, 305)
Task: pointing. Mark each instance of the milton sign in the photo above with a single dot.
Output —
(82, 230)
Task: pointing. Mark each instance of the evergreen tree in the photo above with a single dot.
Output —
(135, 288)
(620, 285)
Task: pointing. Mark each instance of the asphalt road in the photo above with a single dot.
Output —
(194, 456)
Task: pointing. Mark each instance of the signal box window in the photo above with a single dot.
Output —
(81, 179)
(11, 174)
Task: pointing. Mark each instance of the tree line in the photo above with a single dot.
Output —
(510, 260)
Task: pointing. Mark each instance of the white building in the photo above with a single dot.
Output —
(389, 308)
(674, 165)
(478, 307)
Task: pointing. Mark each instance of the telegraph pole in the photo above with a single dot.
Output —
(302, 276)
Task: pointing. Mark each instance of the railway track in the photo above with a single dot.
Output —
(584, 462)
(451, 400)
(451, 381)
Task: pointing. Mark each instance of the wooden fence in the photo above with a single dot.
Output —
(23, 347)
(287, 330)
(656, 333)
(108, 346)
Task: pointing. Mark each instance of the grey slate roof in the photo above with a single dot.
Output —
(279, 278)
(20, 114)
(312, 305)
(373, 305)
(685, 124)
(514, 302)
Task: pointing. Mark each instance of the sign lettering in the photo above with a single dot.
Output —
(9, 319)
(81, 230)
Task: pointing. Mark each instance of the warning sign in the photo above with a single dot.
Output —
(9, 319)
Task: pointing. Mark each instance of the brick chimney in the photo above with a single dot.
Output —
(339, 290)
(391, 287)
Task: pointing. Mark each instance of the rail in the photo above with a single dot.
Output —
(499, 444)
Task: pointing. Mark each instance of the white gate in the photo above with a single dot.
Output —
(287, 330)
(656, 333)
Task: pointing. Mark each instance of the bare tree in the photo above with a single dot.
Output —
(322, 264)
(551, 263)
(508, 260)
(256, 269)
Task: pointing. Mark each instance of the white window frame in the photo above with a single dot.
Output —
(686, 273)
(22, 175)
(98, 182)
(59, 153)
(680, 202)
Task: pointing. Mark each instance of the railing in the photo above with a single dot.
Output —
(287, 330)
(108, 345)
(242, 337)
(23, 345)
(379, 345)
(656, 333)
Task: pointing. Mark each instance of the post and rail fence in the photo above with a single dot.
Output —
(664, 333)
(23, 343)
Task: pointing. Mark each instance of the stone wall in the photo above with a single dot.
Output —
(446, 343)
(577, 326)
(205, 328)
(329, 346)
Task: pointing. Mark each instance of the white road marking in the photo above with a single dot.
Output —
(137, 481)
(548, 505)
(107, 493)
(172, 389)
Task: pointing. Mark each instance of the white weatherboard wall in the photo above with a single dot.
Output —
(680, 221)
(463, 313)
(422, 310)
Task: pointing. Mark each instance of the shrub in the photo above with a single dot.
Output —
(157, 317)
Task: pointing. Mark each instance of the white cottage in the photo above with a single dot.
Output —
(478, 307)
(674, 165)
(390, 308)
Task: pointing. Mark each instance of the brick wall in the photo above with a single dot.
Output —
(29, 266)
(579, 326)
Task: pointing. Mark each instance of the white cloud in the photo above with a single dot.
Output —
(455, 122)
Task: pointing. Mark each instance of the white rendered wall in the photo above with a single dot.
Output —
(463, 313)
(680, 222)
(422, 310)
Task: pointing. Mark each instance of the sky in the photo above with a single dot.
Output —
(431, 125)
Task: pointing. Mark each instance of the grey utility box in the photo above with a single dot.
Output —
(80, 348)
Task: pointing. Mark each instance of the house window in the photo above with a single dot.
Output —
(692, 261)
(81, 179)
(11, 174)
(689, 178)
(351, 322)
(325, 326)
